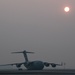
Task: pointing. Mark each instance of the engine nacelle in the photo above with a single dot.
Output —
(46, 64)
(18, 65)
(53, 65)
(27, 64)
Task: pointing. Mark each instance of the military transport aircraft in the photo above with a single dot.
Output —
(32, 65)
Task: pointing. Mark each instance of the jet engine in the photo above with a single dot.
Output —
(18, 65)
(53, 65)
(46, 64)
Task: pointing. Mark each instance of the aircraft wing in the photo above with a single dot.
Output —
(17, 64)
(52, 64)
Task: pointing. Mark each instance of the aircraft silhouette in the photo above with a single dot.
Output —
(32, 65)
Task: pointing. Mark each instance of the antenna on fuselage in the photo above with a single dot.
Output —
(25, 54)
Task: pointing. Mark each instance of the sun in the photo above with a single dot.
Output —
(66, 9)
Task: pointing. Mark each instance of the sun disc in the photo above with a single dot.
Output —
(66, 9)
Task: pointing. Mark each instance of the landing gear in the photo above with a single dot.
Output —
(20, 69)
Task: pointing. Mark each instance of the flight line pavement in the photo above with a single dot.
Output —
(39, 72)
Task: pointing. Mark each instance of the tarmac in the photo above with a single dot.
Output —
(39, 72)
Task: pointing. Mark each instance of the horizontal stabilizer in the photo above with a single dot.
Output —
(23, 52)
(29, 52)
(17, 52)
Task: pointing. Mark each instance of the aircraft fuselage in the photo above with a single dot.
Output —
(34, 65)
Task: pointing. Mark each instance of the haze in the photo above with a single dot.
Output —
(40, 26)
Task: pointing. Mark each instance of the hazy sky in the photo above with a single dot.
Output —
(41, 26)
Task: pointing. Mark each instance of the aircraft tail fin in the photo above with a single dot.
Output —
(24, 53)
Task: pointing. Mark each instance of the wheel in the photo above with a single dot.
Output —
(20, 69)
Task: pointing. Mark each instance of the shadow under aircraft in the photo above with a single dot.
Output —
(32, 65)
